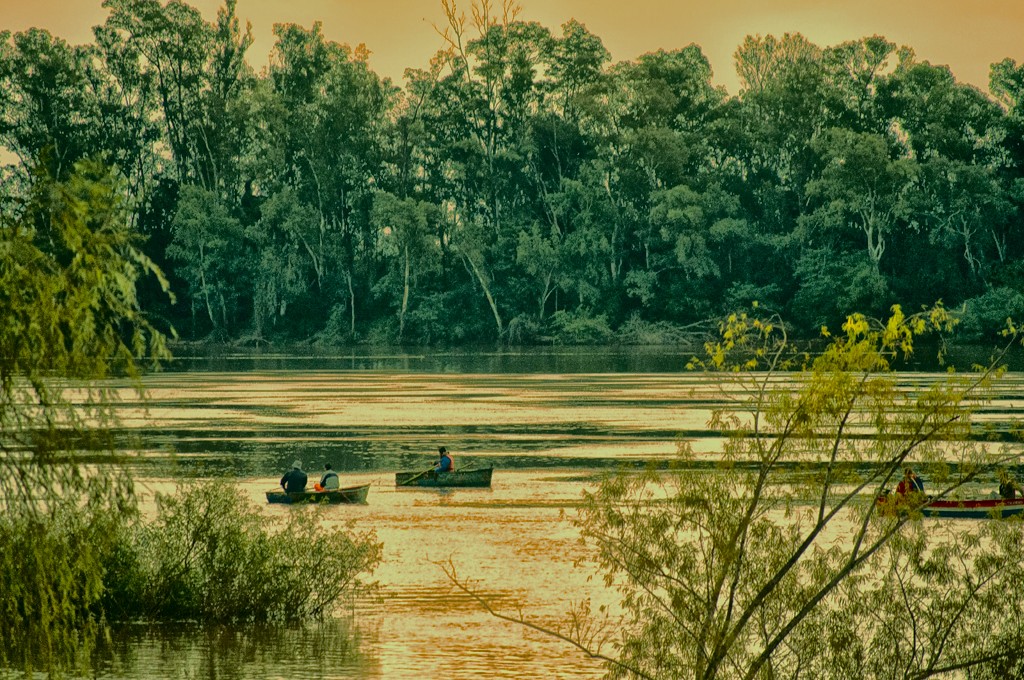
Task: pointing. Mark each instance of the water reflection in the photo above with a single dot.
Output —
(646, 359)
(327, 649)
(500, 361)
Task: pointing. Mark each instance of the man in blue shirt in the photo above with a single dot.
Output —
(445, 462)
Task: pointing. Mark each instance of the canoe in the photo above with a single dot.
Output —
(460, 478)
(352, 494)
(980, 508)
(960, 508)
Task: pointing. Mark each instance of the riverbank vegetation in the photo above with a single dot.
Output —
(75, 554)
(778, 564)
(208, 556)
(522, 187)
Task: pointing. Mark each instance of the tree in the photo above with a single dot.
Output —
(48, 110)
(207, 240)
(752, 570)
(861, 187)
(69, 320)
(172, 46)
(286, 239)
(68, 268)
(539, 255)
(412, 246)
(938, 115)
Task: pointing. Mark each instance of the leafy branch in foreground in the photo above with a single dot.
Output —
(69, 266)
(777, 564)
(580, 629)
(70, 318)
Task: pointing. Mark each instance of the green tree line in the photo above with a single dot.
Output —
(522, 187)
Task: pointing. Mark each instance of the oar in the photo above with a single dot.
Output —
(415, 477)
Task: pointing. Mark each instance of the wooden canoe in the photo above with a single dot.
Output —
(460, 478)
(957, 508)
(352, 494)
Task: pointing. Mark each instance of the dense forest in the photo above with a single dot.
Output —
(521, 187)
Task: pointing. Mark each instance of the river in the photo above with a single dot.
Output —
(551, 424)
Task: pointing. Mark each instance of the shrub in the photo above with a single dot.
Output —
(637, 331)
(337, 331)
(576, 328)
(209, 557)
(523, 329)
(52, 575)
(985, 316)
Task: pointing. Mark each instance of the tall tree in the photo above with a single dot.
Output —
(207, 243)
(48, 110)
(409, 243)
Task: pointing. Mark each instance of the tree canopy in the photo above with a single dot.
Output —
(555, 183)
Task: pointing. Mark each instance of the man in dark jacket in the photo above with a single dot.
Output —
(294, 480)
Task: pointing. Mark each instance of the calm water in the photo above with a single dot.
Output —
(550, 434)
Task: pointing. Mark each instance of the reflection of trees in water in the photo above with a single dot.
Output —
(228, 652)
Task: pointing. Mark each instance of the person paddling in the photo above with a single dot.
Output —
(445, 462)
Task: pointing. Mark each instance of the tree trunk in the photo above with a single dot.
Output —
(351, 306)
(405, 296)
(487, 292)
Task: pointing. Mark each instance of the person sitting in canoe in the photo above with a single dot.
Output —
(294, 481)
(1008, 487)
(329, 480)
(910, 483)
(445, 463)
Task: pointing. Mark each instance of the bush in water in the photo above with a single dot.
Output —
(209, 557)
(52, 575)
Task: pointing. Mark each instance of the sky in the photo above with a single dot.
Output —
(966, 35)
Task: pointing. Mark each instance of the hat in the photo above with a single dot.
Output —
(297, 464)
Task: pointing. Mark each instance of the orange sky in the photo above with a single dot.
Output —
(968, 35)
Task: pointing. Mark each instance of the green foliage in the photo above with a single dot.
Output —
(753, 570)
(524, 329)
(209, 557)
(69, 319)
(984, 317)
(52, 569)
(521, 171)
(637, 331)
(578, 328)
(69, 265)
(336, 331)
(205, 245)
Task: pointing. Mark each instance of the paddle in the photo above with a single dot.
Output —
(415, 477)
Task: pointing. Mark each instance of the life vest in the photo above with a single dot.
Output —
(451, 463)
